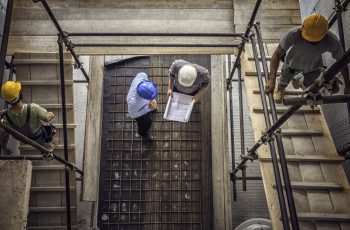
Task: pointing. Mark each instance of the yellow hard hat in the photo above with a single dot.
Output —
(314, 28)
(10, 91)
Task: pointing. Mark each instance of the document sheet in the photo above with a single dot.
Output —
(179, 107)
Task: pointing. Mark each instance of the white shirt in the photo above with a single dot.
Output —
(137, 106)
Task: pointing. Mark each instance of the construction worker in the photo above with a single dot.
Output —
(24, 118)
(141, 103)
(188, 78)
(303, 46)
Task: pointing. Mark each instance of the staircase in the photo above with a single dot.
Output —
(39, 74)
(320, 188)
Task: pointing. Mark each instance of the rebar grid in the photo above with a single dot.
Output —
(155, 185)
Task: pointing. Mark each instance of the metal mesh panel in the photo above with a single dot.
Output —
(159, 185)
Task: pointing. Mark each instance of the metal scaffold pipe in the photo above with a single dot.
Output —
(244, 39)
(280, 147)
(69, 45)
(48, 154)
(270, 141)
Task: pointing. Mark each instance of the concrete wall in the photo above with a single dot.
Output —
(336, 114)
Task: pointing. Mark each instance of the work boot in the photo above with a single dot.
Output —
(148, 137)
(295, 84)
(279, 94)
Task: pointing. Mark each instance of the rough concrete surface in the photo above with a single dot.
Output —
(15, 180)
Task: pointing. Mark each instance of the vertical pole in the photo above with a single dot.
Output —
(5, 38)
(276, 170)
(241, 122)
(280, 147)
(233, 176)
(345, 71)
(65, 139)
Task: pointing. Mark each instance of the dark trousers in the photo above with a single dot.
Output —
(144, 123)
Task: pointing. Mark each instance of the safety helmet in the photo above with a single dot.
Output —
(187, 75)
(314, 28)
(147, 90)
(10, 91)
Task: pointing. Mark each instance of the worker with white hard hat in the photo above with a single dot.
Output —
(188, 78)
(303, 47)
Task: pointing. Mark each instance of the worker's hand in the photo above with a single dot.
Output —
(196, 97)
(170, 92)
(270, 86)
(153, 105)
(6, 151)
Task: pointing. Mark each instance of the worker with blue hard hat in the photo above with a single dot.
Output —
(141, 103)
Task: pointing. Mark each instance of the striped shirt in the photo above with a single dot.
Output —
(137, 106)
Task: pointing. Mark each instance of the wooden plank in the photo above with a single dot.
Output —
(253, 73)
(50, 227)
(222, 193)
(301, 132)
(45, 27)
(132, 4)
(93, 130)
(287, 92)
(40, 61)
(285, 109)
(98, 14)
(315, 186)
(307, 158)
(324, 217)
(45, 83)
(48, 167)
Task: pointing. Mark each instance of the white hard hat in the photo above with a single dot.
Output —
(187, 75)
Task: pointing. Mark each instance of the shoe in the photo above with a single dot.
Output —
(279, 94)
(148, 137)
(295, 84)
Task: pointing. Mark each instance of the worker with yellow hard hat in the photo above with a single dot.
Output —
(302, 47)
(24, 118)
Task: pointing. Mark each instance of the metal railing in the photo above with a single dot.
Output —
(273, 131)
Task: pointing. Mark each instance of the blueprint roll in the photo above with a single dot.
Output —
(167, 108)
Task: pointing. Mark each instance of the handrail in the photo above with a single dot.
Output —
(270, 141)
(48, 154)
(280, 147)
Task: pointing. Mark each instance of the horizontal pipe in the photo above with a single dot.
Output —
(155, 34)
(319, 100)
(33, 157)
(152, 45)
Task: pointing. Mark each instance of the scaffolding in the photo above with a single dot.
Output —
(272, 133)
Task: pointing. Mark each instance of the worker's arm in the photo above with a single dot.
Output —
(200, 93)
(275, 61)
(170, 84)
(49, 116)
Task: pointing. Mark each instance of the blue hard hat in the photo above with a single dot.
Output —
(147, 90)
